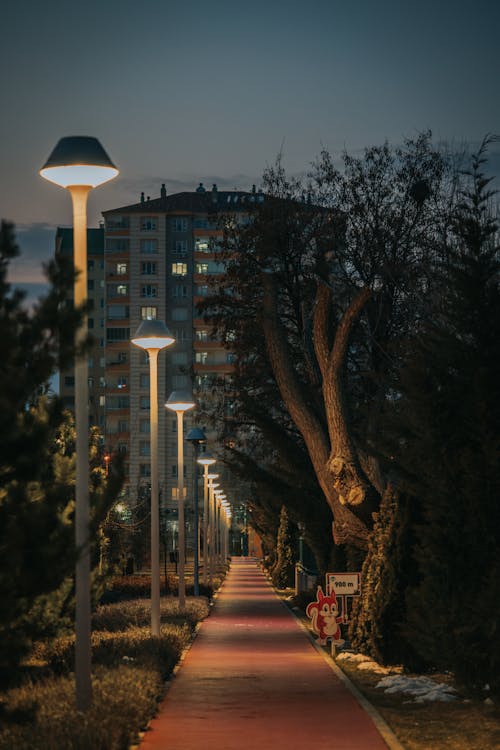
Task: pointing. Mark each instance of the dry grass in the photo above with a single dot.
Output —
(459, 725)
(129, 670)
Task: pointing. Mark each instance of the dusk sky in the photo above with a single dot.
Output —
(189, 92)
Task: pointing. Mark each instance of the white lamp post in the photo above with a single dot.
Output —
(219, 497)
(153, 336)
(180, 401)
(79, 163)
(212, 521)
(197, 438)
(206, 460)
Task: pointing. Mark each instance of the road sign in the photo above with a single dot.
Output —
(346, 584)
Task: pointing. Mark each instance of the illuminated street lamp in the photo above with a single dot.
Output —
(79, 163)
(153, 336)
(197, 438)
(180, 401)
(206, 460)
(219, 497)
(212, 486)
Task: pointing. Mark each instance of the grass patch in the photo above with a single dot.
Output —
(128, 675)
(125, 697)
(463, 724)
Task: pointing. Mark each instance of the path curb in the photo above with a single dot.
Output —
(387, 734)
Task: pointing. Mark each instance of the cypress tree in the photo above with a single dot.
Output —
(449, 450)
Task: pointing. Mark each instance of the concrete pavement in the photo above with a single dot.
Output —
(252, 680)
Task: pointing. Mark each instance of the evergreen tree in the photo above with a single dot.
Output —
(36, 456)
(284, 570)
(448, 411)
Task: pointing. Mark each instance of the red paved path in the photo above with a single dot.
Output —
(252, 680)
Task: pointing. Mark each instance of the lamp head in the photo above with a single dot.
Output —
(180, 401)
(153, 334)
(78, 160)
(206, 459)
(196, 436)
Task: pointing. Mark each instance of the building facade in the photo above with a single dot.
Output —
(159, 255)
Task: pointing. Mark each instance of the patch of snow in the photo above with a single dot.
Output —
(365, 663)
(422, 688)
(372, 666)
(349, 656)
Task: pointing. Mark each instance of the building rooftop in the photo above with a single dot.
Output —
(198, 201)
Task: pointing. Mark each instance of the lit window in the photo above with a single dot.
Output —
(201, 357)
(121, 269)
(148, 313)
(122, 289)
(202, 245)
(179, 269)
(202, 335)
(202, 268)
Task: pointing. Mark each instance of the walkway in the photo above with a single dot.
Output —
(252, 680)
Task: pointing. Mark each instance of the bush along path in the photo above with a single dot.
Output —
(129, 673)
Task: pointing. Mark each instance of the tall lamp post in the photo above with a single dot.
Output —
(212, 486)
(197, 438)
(153, 336)
(79, 163)
(180, 401)
(219, 499)
(206, 460)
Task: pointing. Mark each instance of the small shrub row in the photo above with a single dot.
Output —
(120, 616)
(124, 699)
(138, 586)
(110, 648)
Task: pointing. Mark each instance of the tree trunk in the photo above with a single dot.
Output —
(344, 484)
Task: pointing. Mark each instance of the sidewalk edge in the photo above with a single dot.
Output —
(387, 734)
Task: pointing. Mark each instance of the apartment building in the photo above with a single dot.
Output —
(158, 257)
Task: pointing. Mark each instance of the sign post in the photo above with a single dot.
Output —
(343, 585)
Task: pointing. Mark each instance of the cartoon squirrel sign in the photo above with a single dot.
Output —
(325, 618)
